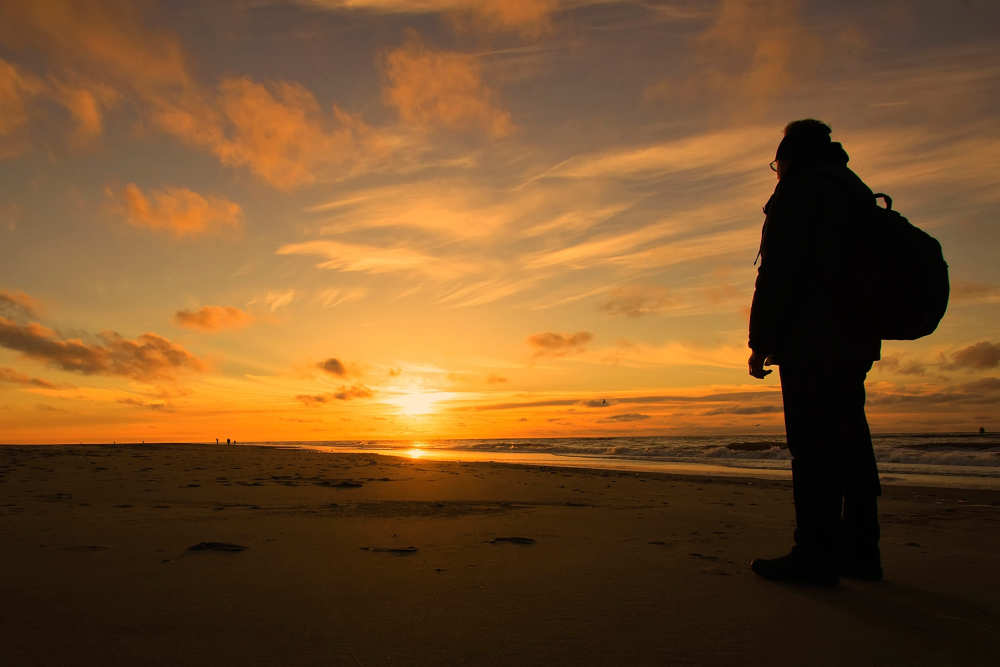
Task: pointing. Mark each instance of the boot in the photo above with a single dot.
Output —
(817, 512)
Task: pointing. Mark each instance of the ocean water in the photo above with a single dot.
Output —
(950, 459)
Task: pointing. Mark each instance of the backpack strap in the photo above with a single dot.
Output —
(884, 197)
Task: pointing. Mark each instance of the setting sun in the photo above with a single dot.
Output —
(416, 403)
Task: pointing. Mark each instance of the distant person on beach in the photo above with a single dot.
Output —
(227, 441)
(801, 320)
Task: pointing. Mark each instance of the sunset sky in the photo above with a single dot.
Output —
(339, 219)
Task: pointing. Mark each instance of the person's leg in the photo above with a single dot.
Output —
(859, 539)
(817, 476)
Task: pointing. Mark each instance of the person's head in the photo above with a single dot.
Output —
(806, 141)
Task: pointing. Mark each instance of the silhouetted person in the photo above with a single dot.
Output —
(227, 441)
(802, 320)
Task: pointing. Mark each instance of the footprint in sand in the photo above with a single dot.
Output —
(399, 551)
(513, 540)
(86, 548)
(217, 546)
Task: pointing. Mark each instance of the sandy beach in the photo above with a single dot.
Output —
(356, 559)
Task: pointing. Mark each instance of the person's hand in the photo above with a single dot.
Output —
(756, 363)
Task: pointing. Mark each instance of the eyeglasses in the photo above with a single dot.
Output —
(773, 165)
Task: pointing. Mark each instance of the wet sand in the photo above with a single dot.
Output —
(308, 558)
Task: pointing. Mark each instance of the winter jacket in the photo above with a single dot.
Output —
(800, 310)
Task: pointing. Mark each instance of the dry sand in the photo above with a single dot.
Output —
(625, 568)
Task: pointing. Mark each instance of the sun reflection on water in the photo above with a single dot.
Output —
(415, 452)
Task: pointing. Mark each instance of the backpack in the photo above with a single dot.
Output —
(898, 276)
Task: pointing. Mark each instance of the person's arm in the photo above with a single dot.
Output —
(783, 257)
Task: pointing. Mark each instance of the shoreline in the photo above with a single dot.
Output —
(892, 474)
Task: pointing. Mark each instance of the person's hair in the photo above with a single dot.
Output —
(808, 140)
(809, 129)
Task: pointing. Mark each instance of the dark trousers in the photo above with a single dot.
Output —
(834, 474)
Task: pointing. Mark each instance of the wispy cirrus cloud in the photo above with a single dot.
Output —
(180, 211)
(626, 417)
(723, 152)
(277, 299)
(334, 296)
(528, 17)
(213, 318)
(971, 291)
(768, 397)
(147, 357)
(671, 353)
(343, 256)
(638, 300)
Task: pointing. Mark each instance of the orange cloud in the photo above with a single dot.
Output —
(277, 130)
(529, 17)
(558, 345)
(86, 104)
(16, 91)
(11, 376)
(313, 400)
(144, 404)
(441, 89)
(968, 291)
(149, 356)
(94, 53)
(638, 300)
(97, 52)
(19, 91)
(180, 211)
(107, 40)
(17, 304)
(980, 355)
(355, 391)
(345, 393)
(213, 318)
(753, 51)
(333, 366)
